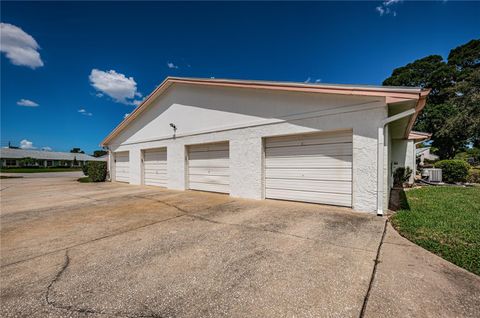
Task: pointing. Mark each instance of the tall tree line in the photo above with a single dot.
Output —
(452, 111)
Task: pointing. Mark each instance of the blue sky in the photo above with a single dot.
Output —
(85, 65)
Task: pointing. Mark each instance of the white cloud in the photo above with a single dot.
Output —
(308, 80)
(27, 103)
(171, 65)
(19, 46)
(387, 7)
(26, 144)
(125, 116)
(46, 148)
(120, 88)
(138, 101)
(84, 112)
(318, 80)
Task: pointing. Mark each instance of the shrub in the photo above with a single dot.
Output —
(85, 168)
(473, 176)
(97, 171)
(401, 175)
(28, 162)
(453, 170)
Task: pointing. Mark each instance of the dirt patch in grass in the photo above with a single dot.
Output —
(445, 221)
(84, 180)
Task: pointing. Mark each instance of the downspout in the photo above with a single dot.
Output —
(380, 161)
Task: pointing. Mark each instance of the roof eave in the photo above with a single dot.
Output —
(422, 100)
(389, 93)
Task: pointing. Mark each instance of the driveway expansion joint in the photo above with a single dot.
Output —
(374, 271)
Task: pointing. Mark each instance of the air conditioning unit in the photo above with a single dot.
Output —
(432, 174)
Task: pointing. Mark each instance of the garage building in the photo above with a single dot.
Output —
(319, 143)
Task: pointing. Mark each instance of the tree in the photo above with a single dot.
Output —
(452, 112)
(77, 150)
(99, 153)
(465, 56)
(27, 161)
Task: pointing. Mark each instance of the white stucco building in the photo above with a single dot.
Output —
(328, 144)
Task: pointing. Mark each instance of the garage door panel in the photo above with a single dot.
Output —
(212, 163)
(217, 154)
(222, 188)
(160, 156)
(158, 181)
(155, 174)
(309, 174)
(324, 198)
(156, 162)
(210, 179)
(222, 146)
(155, 167)
(310, 139)
(344, 149)
(309, 162)
(312, 167)
(209, 171)
(122, 167)
(343, 187)
(209, 167)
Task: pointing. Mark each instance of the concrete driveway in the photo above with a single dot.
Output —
(110, 250)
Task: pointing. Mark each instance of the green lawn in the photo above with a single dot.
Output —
(445, 221)
(36, 170)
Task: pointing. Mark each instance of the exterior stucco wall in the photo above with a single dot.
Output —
(244, 118)
(403, 155)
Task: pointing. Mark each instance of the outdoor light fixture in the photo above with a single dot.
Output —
(174, 129)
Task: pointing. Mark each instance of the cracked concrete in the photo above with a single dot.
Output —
(114, 250)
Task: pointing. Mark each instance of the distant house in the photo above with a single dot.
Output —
(14, 157)
(424, 153)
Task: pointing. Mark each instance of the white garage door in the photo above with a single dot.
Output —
(208, 167)
(155, 167)
(122, 167)
(312, 168)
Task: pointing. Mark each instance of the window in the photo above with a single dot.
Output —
(11, 162)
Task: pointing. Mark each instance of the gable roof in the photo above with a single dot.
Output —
(392, 94)
(419, 136)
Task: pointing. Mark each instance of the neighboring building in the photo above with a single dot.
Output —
(13, 157)
(329, 144)
(415, 138)
(424, 153)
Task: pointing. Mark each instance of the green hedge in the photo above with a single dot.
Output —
(473, 176)
(97, 171)
(453, 170)
(85, 168)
